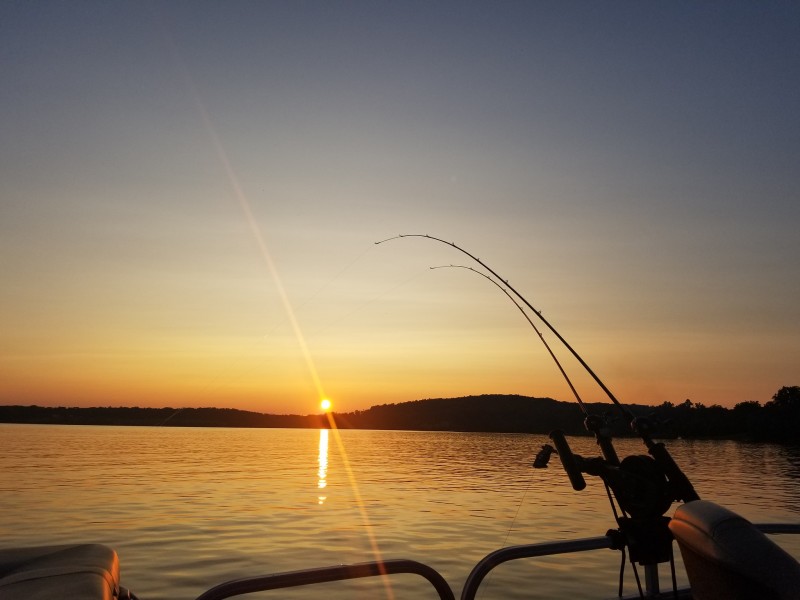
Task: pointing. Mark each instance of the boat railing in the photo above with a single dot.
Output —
(330, 574)
(402, 566)
(498, 557)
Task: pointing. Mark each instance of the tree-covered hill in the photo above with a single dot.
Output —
(777, 420)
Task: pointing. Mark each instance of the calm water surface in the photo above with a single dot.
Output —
(189, 508)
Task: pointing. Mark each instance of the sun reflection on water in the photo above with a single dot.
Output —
(322, 471)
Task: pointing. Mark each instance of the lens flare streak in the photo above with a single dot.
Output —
(233, 180)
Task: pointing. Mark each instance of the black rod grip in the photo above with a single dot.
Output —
(680, 482)
(568, 460)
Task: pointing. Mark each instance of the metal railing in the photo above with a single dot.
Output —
(498, 557)
(402, 566)
(329, 574)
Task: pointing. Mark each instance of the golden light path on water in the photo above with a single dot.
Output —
(233, 180)
(322, 460)
(373, 542)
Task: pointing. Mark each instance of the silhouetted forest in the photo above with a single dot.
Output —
(777, 420)
(154, 417)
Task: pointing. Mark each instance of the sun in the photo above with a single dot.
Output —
(325, 404)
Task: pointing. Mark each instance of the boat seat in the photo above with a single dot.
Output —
(727, 557)
(83, 572)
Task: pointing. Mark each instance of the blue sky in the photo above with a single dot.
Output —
(191, 192)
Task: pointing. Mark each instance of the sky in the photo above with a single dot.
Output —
(191, 194)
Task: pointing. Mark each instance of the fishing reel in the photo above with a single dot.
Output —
(643, 486)
(639, 485)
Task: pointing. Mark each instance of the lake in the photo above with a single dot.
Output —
(189, 508)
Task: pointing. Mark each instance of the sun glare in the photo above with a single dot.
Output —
(325, 404)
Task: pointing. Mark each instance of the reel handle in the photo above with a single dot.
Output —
(568, 460)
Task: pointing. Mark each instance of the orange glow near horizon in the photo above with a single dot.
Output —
(280, 384)
(209, 248)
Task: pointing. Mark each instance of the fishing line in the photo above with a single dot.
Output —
(484, 589)
(574, 353)
(169, 418)
(334, 278)
(358, 308)
(320, 289)
(560, 368)
(532, 324)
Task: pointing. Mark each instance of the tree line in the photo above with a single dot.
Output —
(776, 420)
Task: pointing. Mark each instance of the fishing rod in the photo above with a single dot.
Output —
(644, 486)
(532, 324)
(682, 487)
(593, 423)
(574, 353)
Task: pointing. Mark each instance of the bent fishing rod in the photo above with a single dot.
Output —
(574, 353)
(643, 487)
(532, 324)
(683, 489)
(593, 423)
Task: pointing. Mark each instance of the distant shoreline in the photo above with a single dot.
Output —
(154, 417)
(490, 413)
